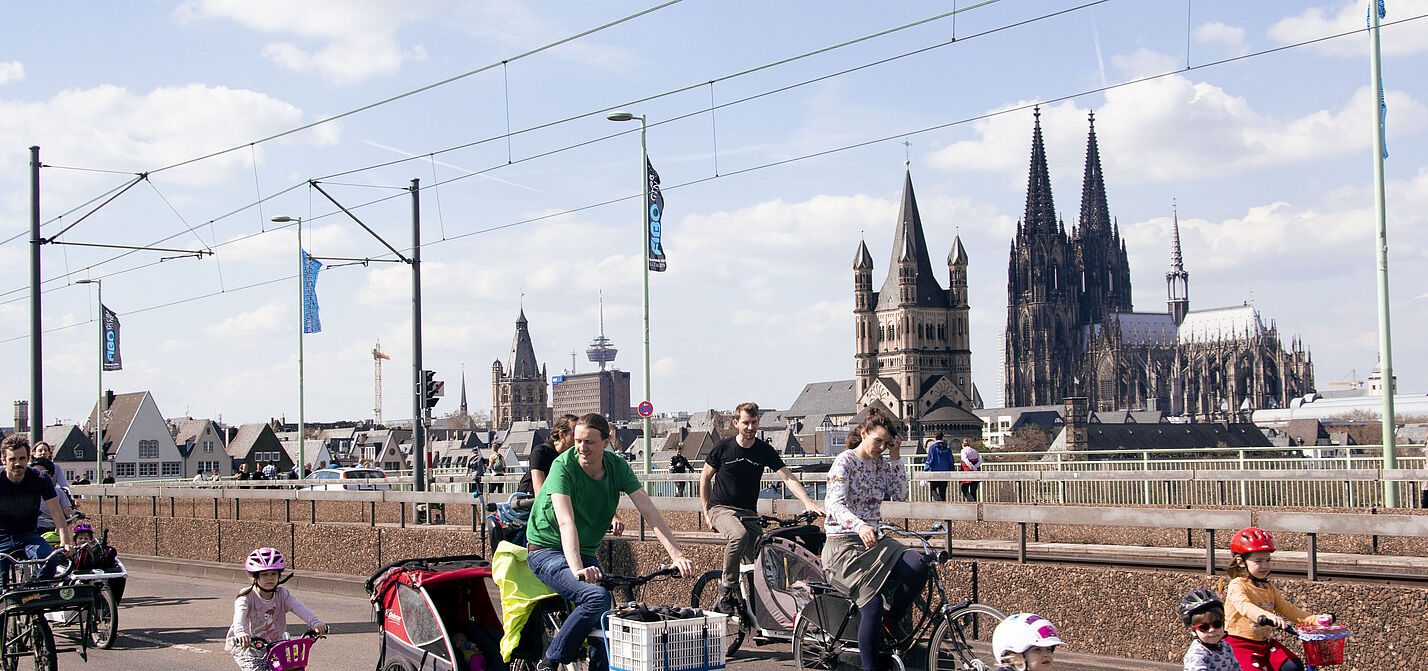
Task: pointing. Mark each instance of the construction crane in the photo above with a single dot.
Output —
(377, 357)
(1353, 380)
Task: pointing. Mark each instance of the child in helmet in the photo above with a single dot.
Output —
(1025, 642)
(1250, 597)
(262, 609)
(1204, 613)
(83, 533)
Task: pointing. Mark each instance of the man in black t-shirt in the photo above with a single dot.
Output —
(22, 491)
(731, 498)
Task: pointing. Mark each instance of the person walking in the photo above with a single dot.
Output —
(938, 460)
(679, 465)
(971, 460)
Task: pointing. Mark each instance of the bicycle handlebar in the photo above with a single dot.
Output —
(260, 643)
(1264, 621)
(610, 580)
(805, 517)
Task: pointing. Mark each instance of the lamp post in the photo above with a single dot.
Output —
(99, 400)
(645, 268)
(301, 441)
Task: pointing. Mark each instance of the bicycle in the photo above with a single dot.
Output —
(789, 555)
(25, 598)
(99, 622)
(548, 618)
(826, 635)
(289, 654)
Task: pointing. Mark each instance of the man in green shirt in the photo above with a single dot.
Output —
(568, 522)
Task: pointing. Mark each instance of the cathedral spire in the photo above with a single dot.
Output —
(1095, 213)
(463, 388)
(862, 260)
(1040, 210)
(910, 246)
(1177, 281)
(522, 363)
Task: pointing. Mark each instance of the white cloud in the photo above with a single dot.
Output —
(11, 71)
(1214, 32)
(269, 319)
(276, 247)
(1198, 130)
(1316, 22)
(355, 40)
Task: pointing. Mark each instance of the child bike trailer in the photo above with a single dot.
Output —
(437, 614)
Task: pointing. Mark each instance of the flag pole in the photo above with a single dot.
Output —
(99, 399)
(1385, 335)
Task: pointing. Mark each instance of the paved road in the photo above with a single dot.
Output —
(178, 622)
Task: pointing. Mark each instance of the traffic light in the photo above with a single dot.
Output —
(431, 389)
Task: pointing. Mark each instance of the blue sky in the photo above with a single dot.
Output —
(1269, 158)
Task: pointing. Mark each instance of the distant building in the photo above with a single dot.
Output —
(73, 449)
(257, 446)
(913, 339)
(136, 438)
(606, 392)
(518, 390)
(1072, 332)
(200, 441)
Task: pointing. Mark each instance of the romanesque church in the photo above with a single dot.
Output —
(914, 355)
(1072, 331)
(518, 389)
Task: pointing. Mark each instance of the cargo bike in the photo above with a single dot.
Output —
(26, 600)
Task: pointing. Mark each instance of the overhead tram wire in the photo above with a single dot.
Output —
(728, 77)
(795, 159)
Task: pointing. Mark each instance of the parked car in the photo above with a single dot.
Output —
(345, 478)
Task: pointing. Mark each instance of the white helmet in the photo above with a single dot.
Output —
(971, 457)
(1021, 632)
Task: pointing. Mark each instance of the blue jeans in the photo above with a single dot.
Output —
(590, 602)
(34, 546)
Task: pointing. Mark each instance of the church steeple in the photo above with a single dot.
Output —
(1095, 214)
(1177, 281)
(911, 266)
(522, 363)
(1040, 209)
(463, 389)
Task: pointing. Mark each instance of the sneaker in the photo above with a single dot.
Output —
(546, 664)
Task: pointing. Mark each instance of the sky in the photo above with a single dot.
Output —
(781, 132)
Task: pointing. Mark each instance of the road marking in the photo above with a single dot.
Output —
(166, 644)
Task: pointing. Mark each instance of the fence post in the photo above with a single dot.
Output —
(1313, 557)
(1060, 484)
(1021, 542)
(1145, 468)
(1209, 552)
(1243, 485)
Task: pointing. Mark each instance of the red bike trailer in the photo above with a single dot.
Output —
(437, 614)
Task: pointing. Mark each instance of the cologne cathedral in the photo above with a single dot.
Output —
(1072, 331)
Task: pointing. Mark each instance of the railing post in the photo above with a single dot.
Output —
(402, 523)
(1021, 542)
(1060, 484)
(288, 510)
(1209, 552)
(312, 511)
(1313, 557)
(1145, 469)
(1243, 484)
(372, 509)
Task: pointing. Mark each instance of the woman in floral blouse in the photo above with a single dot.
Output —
(877, 572)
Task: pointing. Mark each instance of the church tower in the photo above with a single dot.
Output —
(1042, 297)
(1100, 253)
(1177, 281)
(912, 351)
(518, 390)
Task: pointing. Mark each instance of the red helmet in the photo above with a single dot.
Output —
(1251, 539)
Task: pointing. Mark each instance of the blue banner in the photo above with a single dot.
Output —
(654, 210)
(310, 321)
(112, 360)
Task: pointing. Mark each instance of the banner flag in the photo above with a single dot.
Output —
(310, 321)
(112, 360)
(654, 209)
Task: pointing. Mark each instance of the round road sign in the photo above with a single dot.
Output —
(646, 408)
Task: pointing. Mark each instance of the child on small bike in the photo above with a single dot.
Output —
(879, 574)
(1025, 642)
(1250, 597)
(261, 610)
(1204, 613)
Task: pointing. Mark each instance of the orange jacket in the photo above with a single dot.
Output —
(1245, 602)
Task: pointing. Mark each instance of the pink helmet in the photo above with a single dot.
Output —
(265, 559)
(83, 526)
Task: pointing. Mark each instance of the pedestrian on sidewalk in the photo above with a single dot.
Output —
(938, 460)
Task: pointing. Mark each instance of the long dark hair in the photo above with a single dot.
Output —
(564, 425)
(876, 418)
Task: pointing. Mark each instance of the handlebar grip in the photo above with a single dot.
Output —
(490, 507)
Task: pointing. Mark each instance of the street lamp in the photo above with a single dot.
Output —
(622, 115)
(99, 400)
(302, 443)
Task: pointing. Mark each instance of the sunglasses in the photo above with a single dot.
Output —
(1209, 626)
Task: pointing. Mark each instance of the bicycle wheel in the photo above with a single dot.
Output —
(104, 619)
(816, 648)
(42, 641)
(706, 592)
(962, 640)
(13, 642)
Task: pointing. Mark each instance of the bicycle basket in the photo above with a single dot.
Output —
(691, 644)
(1323, 646)
(289, 654)
(26, 600)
